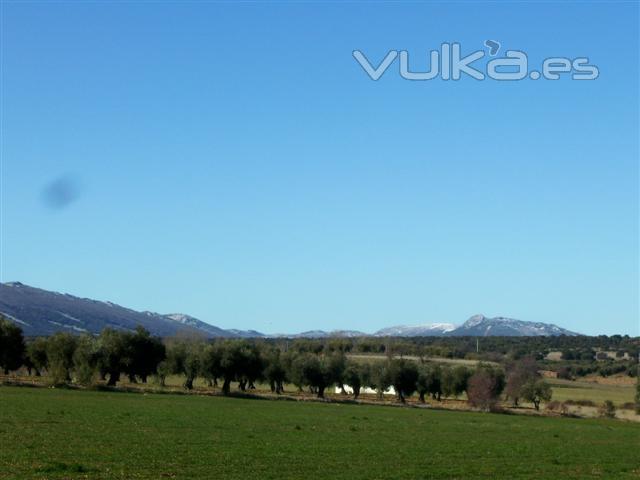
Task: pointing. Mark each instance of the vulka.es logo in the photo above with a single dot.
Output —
(449, 64)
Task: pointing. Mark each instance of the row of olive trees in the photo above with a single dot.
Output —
(138, 355)
(110, 355)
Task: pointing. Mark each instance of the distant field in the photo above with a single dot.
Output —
(382, 357)
(582, 390)
(54, 433)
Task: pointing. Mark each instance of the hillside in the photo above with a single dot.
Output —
(43, 312)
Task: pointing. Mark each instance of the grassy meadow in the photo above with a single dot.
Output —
(59, 433)
(582, 390)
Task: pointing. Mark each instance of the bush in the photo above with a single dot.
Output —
(11, 345)
(554, 406)
(60, 350)
(608, 409)
(536, 391)
(403, 375)
(485, 387)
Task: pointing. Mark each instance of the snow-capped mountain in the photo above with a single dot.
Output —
(211, 330)
(42, 312)
(323, 334)
(426, 330)
(481, 326)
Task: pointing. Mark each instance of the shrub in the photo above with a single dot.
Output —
(608, 409)
(485, 387)
(581, 403)
(11, 345)
(60, 350)
(536, 391)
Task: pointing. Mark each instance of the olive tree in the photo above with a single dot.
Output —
(113, 354)
(429, 381)
(485, 387)
(356, 375)
(520, 373)
(315, 371)
(60, 350)
(37, 354)
(536, 391)
(379, 378)
(403, 375)
(145, 352)
(275, 371)
(12, 346)
(85, 359)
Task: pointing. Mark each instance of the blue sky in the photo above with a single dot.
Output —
(234, 162)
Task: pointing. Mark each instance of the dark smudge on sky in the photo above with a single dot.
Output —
(60, 193)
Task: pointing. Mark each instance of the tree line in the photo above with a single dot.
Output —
(137, 355)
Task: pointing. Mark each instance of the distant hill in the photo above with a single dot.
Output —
(426, 330)
(42, 312)
(481, 326)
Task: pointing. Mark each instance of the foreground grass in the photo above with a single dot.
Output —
(52, 433)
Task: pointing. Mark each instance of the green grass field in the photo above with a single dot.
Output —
(57, 433)
(582, 390)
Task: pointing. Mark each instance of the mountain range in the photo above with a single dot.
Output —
(43, 312)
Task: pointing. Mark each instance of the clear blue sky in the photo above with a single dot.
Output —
(234, 162)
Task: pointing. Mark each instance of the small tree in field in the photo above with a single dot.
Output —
(485, 387)
(638, 387)
(11, 345)
(536, 391)
(404, 376)
(317, 373)
(379, 378)
(145, 353)
(354, 376)
(608, 409)
(85, 359)
(520, 373)
(60, 350)
(114, 355)
(275, 371)
(429, 381)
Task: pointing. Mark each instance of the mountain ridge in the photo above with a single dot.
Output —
(43, 312)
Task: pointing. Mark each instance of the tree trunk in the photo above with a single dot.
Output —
(421, 397)
(188, 383)
(226, 386)
(321, 392)
(114, 377)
